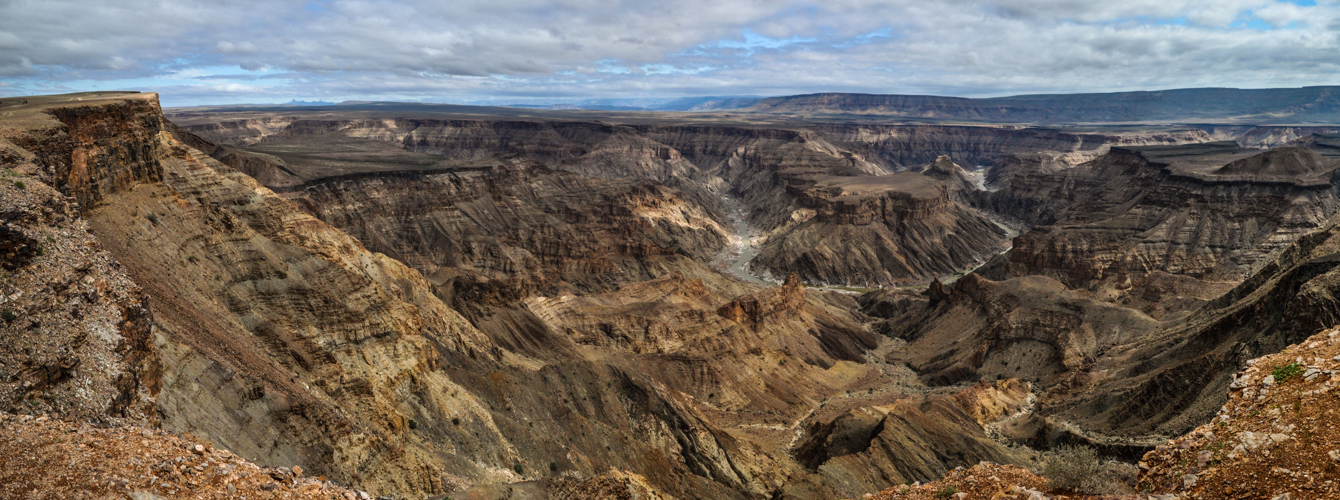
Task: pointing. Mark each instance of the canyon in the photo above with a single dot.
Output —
(428, 301)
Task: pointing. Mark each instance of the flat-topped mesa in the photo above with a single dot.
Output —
(1286, 160)
(1229, 163)
(891, 199)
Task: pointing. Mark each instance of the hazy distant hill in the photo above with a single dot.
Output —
(1301, 105)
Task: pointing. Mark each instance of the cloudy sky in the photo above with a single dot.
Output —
(515, 51)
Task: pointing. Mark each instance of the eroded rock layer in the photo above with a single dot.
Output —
(1117, 224)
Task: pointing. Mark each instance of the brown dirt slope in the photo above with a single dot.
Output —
(42, 458)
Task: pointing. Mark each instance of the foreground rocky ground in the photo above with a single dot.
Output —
(1275, 438)
(45, 458)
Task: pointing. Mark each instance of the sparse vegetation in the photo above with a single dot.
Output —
(413, 425)
(21, 185)
(553, 467)
(153, 218)
(192, 259)
(1078, 469)
(519, 469)
(8, 316)
(455, 420)
(1287, 372)
(946, 492)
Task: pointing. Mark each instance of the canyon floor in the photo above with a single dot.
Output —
(431, 301)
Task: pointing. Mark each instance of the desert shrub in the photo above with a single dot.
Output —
(21, 185)
(1284, 373)
(8, 315)
(413, 425)
(153, 218)
(519, 469)
(1078, 469)
(946, 492)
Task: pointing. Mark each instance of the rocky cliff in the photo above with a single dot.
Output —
(1177, 377)
(1116, 224)
(876, 230)
(76, 338)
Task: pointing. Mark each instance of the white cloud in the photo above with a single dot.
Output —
(475, 49)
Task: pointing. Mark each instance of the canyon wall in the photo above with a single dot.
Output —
(544, 326)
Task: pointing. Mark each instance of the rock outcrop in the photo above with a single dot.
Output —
(911, 439)
(1273, 438)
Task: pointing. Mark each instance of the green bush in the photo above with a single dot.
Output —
(1282, 374)
(21, 185)
(413, 425)
(946, 492)
(153, 218)
(8, 316)
(518, 469)
(455, 420)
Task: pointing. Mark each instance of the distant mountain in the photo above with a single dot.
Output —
(707, 103)
(702, 103)
(296, 102)
(1219, 105)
